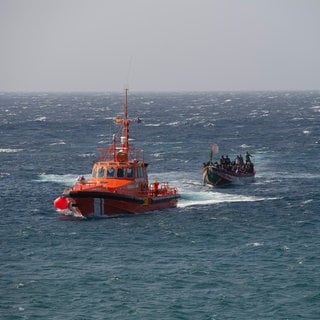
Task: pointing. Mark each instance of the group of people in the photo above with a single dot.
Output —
(238, 165)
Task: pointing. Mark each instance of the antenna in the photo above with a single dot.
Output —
(125, 124)
(128, 73)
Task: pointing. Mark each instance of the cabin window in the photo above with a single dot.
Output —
(140, 173)
(120, 173)
(101, 172)
(94, 172)
(110, 172)
(129, 172)
(144, 172)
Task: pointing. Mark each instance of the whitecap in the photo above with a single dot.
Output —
(71, 214)
(87, 155)
(148, 103)
(307, 201)
(153, 125)
(209, 198)
(10, 150)
(40, 119)
(253, 113)
(316, 108)
(4, 174)
(254, 244)
(173, 123)
(64, 179)
(57, 143)
(276, 176)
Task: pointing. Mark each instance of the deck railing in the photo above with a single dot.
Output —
(110, 154)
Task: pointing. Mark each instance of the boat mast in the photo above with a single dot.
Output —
(125, 125)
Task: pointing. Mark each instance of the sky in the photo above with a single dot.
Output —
(159, 45)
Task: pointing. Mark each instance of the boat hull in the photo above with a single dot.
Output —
(109, 204)
(219, 177)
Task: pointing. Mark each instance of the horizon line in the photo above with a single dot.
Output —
(156, 91)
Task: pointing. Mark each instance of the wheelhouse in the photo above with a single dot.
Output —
(114, 170)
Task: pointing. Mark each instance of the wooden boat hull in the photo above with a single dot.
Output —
(91, 203)
(219, 177)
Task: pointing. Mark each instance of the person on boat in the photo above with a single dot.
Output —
(228, 163)
(223, 162)
(248, 157)
(241, 160)
(81, 179)
(110, 172)
(156, 187)
(120, 173)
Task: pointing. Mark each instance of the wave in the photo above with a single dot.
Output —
(4, 174)
(254, 244)
(288, 175)
(57, 143)
(316, 108)
(41, 118)
(174, 123)
(206, 198)
(153, 125)
(10, 150)
(87, 155)
(65, 179)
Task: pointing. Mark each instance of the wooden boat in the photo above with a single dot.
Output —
(227, 172)
(119, 182)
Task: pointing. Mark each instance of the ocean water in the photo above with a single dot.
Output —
(241, 252)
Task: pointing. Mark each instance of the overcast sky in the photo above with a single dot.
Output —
(159, 45)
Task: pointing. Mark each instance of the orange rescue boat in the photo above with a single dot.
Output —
(119, 182)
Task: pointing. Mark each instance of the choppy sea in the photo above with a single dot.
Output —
(242, 252)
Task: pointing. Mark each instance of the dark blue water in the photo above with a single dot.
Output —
(244, 252)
